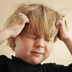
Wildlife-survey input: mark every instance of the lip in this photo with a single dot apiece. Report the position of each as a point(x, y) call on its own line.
point(35, 53)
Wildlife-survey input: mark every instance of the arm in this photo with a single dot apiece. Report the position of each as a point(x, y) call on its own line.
point(64, 34)
point(13, 30)
point(68, 43)
point(4, 35)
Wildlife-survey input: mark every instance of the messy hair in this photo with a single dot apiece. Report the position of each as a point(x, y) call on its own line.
point(42, 20)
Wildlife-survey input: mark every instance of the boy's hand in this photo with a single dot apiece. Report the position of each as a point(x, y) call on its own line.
point(63, 33)
point(18, 23)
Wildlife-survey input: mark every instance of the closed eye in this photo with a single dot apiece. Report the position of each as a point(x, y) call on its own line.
point(33, 37)
point(46, 39)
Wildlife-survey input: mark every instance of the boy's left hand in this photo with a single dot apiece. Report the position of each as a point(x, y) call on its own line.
point(63, 33)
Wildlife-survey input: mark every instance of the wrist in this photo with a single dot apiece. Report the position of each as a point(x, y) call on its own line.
point(67, 39)
point(9, 32)
point(68, 42)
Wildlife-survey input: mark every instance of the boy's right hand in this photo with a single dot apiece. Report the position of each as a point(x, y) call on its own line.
point(18, 23)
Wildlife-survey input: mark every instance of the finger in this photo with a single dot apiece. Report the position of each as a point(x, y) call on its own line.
point(20, 18)
point(61, 23)
point(24, 18)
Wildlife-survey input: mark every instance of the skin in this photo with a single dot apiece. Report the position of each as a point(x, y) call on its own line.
point(33, 48)
point(13, 30)
point(64, 34)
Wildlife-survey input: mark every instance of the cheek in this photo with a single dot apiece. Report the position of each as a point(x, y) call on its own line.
point(27, 44)
point(23, 45)
point(48, 49)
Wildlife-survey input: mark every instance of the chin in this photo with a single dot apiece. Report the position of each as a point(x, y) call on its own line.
point(34, 62)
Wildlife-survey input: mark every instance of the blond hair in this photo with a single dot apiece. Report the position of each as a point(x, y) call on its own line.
point(42, 20)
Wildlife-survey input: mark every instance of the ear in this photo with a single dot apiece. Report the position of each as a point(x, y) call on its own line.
point(12, 42)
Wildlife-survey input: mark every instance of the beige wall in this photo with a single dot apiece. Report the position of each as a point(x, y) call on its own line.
point(60, 53)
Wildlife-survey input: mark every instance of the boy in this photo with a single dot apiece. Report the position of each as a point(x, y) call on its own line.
point(31, 32)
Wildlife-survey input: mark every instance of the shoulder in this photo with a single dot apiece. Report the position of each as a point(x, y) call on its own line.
point(4, 59)
point(2, 56)
point(57, 67)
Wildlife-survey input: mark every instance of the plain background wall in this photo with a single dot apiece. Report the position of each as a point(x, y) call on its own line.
point(60, 53)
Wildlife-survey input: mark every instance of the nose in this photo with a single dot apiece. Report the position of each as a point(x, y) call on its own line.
point(40, 43)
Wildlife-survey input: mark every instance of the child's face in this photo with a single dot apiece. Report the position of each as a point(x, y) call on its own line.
point(33, 49)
